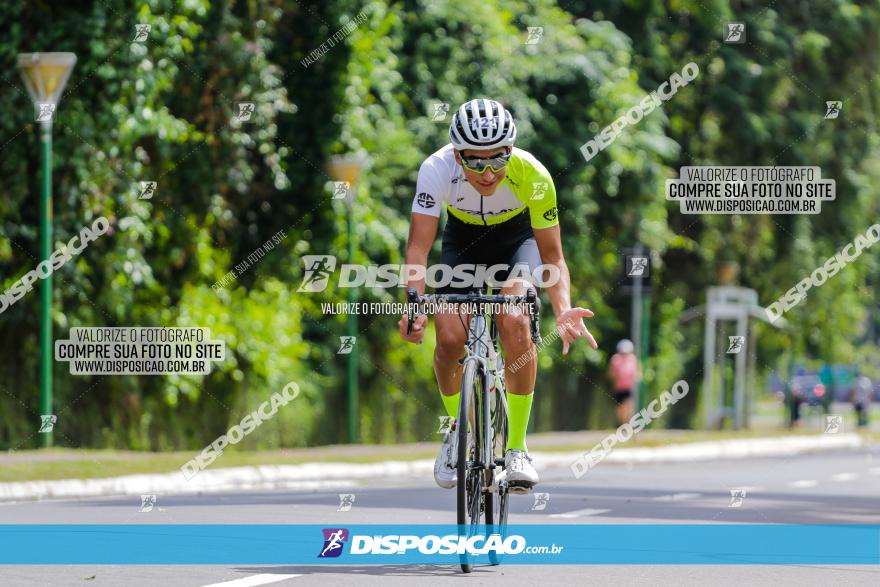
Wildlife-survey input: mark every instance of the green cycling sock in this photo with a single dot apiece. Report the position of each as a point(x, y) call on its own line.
point(518, 409)
point(451, 403)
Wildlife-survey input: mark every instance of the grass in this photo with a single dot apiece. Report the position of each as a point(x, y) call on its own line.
point(60, 463)
point(94, 464)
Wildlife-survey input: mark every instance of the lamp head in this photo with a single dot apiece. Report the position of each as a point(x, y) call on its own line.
point(45, 74)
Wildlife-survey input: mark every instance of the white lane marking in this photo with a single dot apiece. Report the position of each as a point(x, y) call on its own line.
point(874, 471)
point(579, 513)
point(844, 477)
point(676, 497)
point(253, 580)
point(803, 483)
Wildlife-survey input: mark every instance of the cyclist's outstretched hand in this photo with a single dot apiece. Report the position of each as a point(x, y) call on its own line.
point(570, 325)
point(418, 331)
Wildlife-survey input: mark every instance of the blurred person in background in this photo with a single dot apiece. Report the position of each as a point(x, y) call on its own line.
point(623, 369)
point(795, 395)
point(861, 399)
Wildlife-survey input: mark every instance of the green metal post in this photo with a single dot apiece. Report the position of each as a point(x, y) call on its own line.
point(352, 395)
point(46, 285)
point(643, 343)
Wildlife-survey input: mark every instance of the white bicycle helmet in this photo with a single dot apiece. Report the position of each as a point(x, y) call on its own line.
point(482, 124)
point(625, 346)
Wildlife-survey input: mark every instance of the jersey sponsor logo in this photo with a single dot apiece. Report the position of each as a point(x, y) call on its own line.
point(487, 212)
point(551, 214)
point(425, 200)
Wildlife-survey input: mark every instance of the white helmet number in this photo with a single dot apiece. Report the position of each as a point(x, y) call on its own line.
point(483, 123)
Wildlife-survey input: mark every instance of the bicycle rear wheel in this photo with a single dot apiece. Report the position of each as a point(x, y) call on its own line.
point(469, 465)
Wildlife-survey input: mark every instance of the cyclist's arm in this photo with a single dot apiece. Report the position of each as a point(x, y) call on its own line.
point(550, 247)
point(431, 188)
point(544, 218)
point(569, 321)
point(422, 232)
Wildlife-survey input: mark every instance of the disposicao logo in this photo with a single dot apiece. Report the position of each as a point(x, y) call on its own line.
point(334, 540)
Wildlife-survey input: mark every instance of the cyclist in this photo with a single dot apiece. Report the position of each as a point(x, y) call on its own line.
point(501, 206)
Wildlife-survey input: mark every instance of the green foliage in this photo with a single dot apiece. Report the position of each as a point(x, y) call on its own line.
point(164, 111)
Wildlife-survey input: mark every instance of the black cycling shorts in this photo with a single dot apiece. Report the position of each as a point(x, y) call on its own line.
point(509, 243)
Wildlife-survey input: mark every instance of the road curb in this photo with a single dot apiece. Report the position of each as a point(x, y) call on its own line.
point(327, 475)
point(712, 450)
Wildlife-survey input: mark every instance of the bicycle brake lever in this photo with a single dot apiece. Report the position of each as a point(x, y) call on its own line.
point(535, 317)
point(412, 297)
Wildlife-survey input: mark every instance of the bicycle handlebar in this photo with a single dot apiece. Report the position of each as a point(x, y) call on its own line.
point(531, 299)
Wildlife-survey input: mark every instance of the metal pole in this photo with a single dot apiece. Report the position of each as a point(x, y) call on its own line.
point(636, 324)
point(643, 345)
point(750, 372)
point(46, 285)
point(709, 365)
point(739, 383)
point(352, 392)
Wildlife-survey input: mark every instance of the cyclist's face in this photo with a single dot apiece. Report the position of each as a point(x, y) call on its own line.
point(487, 182)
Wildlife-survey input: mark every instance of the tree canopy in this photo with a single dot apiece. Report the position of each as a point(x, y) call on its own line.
point(164, 110)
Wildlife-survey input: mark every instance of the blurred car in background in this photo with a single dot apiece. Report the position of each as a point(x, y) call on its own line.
point(819, 389)
point(808, 389)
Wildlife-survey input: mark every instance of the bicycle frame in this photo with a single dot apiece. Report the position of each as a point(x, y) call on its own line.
point(478, 486)
point(490, 367)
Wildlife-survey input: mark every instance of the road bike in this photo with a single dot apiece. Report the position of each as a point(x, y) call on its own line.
point(481, 427)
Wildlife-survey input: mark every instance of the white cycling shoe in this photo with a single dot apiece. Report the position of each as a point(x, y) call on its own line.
point(445, 473)
point(519, 472)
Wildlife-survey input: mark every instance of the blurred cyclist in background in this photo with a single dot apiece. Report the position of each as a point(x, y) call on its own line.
point(623, 369)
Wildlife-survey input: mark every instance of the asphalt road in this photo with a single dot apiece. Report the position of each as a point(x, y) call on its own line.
point(826, 487)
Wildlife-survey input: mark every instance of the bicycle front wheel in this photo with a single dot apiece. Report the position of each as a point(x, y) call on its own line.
point(470, 468)
point(498, 503)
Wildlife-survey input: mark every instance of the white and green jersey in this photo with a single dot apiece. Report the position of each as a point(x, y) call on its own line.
point(527, 185)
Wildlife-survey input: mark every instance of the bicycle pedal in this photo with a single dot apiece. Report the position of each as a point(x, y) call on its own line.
point(518, 488)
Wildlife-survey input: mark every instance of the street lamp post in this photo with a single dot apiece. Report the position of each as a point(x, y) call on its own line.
point(347, 168)
point(45, 75)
